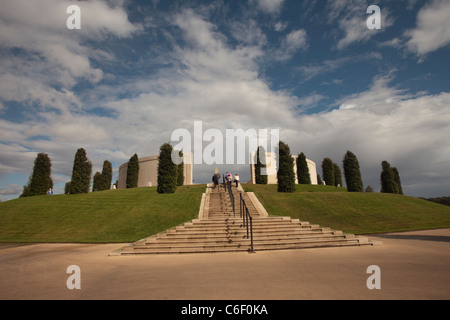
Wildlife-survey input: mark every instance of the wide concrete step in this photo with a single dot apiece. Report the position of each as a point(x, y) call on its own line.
point(243, 246)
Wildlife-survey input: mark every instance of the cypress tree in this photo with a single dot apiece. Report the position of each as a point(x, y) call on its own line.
point(286, 174)
point(167, 170)
point(97, 182)
point(180, 172)
point(337, 175)
point(397, 180)
point(40, 181)
point(81, 173)
point(260, 179)
point(352, 173)
point(133, 172)
point(106, 176)
point(303, 176)
point(328, 171)
point(67, 187)
point(388, 184)
point(319, 180)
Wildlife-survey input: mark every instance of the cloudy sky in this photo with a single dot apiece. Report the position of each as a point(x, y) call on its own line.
point(138, 70)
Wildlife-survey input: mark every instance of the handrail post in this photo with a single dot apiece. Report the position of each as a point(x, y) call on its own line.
point(240, 205)
point(246, 222)
point(230, 193)
point(243, 212)
point(251, 232)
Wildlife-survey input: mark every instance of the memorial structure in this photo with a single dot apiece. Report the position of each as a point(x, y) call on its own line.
point(148, 172)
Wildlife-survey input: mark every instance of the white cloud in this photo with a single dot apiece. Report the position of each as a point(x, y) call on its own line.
point(433, 28)
point(293, 42)
point(385, 123)
point(210, 81)
point(280, 26)
point(9, 190)
point(52, 54)
point(269, 6)
point(351, 17)
point(313, 70)
point(310, 101)
point(40, 64)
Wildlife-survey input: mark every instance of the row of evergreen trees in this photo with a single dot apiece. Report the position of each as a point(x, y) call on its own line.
point(81, 175)
point(332, 175)
point(390, 178)
point(40, 180)
point(169, 175)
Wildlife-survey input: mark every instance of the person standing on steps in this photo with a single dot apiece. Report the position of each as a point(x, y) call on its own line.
point(236, 179)
point(229, 180)
point(215, 179)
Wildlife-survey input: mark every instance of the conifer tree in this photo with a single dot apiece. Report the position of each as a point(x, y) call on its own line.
point(352, 173)
point(180, 171)
point(97, 182)
point(286, 174)
point(328, 171)
point(337, 175)
point(167, 170)
point(398, 181)
point(133, 172)
point(67, 187)
point(81, 173)
point(40, 180)
point(388, 184)
point(106, 176)
point(319, 180)
point(259, 178)
point(303, 176)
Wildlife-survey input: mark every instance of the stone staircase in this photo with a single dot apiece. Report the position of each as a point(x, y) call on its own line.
point(218, 229)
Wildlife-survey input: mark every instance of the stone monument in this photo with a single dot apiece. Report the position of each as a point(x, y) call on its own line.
point(148, 172)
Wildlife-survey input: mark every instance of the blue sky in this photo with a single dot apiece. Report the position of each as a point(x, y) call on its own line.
point(138, 70)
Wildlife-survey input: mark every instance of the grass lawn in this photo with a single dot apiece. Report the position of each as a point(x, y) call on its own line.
point(101, 217)
point(358, 213)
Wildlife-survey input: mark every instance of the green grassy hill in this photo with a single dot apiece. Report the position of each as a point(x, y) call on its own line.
point(358, 213)
point(130, 215)
point(99, 217)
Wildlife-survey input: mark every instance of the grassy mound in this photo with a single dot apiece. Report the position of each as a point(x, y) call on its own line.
point(129, 215)
point(358, 213)
point(101, 217)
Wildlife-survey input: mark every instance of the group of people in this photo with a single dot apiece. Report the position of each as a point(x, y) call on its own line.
point(228, 179)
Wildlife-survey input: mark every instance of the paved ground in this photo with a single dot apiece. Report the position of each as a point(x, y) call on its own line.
point(414, 265)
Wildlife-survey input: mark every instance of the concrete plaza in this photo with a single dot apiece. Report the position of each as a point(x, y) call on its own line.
point(414, 265)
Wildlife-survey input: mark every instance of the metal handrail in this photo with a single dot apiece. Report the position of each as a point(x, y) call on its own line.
point(230, 193)
point(246, 217)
